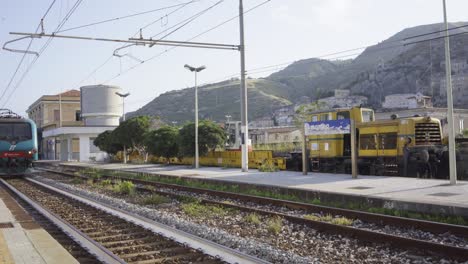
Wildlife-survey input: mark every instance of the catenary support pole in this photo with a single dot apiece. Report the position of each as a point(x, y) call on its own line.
point(304, 152)
point(354, 169)
point(243, 87)
point(451, 131)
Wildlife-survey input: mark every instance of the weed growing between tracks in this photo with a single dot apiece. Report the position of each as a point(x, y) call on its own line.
point(457, 220)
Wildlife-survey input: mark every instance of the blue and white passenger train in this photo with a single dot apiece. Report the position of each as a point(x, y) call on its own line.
point(18, 143)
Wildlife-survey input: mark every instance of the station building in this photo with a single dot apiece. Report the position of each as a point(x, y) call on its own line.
point(69, 122)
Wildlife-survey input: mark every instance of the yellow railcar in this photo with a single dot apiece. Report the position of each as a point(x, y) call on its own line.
point(384, 147)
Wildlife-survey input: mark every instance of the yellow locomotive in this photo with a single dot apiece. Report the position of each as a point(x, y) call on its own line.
point(398, 146)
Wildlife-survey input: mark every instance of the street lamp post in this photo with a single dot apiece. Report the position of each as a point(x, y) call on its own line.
point(451, 132)
point(196, 70)
point(123, 118)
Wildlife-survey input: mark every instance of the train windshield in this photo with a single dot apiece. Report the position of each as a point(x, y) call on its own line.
point(15, 131)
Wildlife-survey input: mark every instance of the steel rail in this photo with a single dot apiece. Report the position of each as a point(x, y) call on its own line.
point(101, 253)
point(360, 234)
point(208, 247)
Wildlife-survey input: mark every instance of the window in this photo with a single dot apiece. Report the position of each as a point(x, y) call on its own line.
point(367, 141)
point(314, 118)
point(388, 140)
point(15, 131)
point(342, 115)
point(462, 125)
point(56, 115)
point(367, 115)
point(324, 117)
point(78, 115)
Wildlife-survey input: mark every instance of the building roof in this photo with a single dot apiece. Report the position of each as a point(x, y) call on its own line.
point(67, 96)
point(70, 93)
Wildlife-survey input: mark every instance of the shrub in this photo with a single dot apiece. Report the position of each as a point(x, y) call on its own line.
point(267, 167)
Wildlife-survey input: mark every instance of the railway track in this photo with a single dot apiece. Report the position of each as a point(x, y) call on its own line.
point(445, 250)
point(77, 251)
point(115, 236)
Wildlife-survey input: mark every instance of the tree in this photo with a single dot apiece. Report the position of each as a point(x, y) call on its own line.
point(163, 142)
point(303, 112)
point(132, 133)
point(107, 142)
point(210, 136)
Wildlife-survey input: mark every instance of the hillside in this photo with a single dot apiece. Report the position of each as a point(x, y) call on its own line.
point(392, 66)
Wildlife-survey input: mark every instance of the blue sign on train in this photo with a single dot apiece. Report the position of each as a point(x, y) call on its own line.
point(342, 126)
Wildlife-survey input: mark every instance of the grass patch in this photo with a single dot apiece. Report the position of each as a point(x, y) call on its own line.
point(253, 218)
point(330, 219)
point(188, 199)
point(156, 199)
point(342, 221)
point(312, 217)
point(199, 210)
point(77, 181)
point(275, 224)
point(125, 187)
point(105, 183)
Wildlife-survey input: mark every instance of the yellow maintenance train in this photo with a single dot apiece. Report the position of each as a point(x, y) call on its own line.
point(398, 146)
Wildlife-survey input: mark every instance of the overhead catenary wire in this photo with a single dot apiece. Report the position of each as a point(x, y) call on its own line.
point(136, 33)
point(275, 67)
point(123, 17)
point(190, 39)
point(27, 49)
point(44, 47)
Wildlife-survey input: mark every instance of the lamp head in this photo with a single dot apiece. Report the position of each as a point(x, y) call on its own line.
point(122, 95)
point(193, 69)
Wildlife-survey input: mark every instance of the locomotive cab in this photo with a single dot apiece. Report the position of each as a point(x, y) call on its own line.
point(18, 143)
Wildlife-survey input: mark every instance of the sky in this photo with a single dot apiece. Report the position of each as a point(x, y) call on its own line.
point(277, 32)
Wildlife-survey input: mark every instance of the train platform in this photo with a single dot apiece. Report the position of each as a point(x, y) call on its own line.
point(412, 194)
point(22, 240)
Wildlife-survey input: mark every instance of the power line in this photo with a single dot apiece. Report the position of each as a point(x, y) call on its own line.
point(61, 24)
point(192, 38)
point(27, 49)
point(122, 17)
point(189, 20)
point(430, 33)
point(144, 27)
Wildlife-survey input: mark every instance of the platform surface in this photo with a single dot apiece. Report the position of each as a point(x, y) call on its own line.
point(429, 191)
point(25, 242)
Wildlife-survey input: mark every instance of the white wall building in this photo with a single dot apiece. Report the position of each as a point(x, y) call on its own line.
point(343, 99)
point(101, 109)
point(406, 101)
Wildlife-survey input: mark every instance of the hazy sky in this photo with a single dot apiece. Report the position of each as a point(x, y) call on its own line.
point(278, 32)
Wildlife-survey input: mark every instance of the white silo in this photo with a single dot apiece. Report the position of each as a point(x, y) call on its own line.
point(100, 105)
